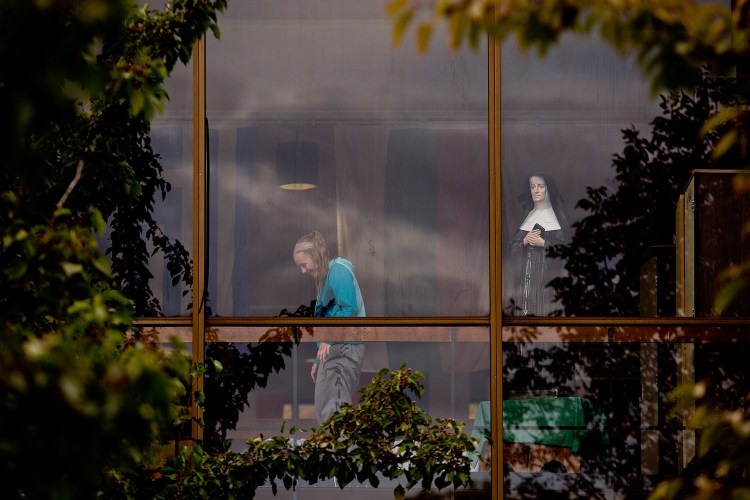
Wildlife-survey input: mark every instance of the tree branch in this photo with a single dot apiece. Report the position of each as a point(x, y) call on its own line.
point(71, 186)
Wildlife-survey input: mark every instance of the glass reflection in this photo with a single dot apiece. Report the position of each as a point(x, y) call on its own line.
point(623, 165)
point(570, 131)
point(598, 408)
point(151, 258)
point(400, 170)
point(266, 377)
point(583, 412)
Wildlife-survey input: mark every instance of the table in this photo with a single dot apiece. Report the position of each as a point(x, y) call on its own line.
point(553, 421)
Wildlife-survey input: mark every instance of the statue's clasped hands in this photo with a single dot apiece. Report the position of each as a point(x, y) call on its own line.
point(533, 238)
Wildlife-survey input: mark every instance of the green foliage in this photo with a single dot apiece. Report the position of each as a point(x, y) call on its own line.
point(672, 39)
point(242, 372)
point(674, 42)
point(73, 402)
point(604, 257)
point(79, 81)
point(722, 468)
point(386, 436)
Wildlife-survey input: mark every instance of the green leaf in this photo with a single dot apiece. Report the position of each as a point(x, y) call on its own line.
point(103, 265)
point(71, 268)
point(137, 103)
point(402, 23)
point(396, 6)
point(725, 143)
point(16, 271)
point(97, 221)
point(62, 212)
point(399, 493)
point(22, 235)
point(424, 33)
point(727, 294)
point(374, 481)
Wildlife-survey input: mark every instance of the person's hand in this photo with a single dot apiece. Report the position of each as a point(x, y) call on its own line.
point(322, 355)
point(533, 238)
point(323, 352)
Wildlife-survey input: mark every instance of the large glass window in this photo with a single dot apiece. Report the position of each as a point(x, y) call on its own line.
point(612, 209)
point(172, 140)
point(627, 200)
point(562, 125)
point(454, 360)
point(592, 404)
point(392, 146)
point(316, 123)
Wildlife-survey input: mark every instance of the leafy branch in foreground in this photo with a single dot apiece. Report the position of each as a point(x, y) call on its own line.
point(67, 379)
point(386, 436)
point(671, 39)
point(80, 81)
point(722, 465)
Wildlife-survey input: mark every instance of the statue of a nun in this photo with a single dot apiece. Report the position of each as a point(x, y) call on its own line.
point(545, 225)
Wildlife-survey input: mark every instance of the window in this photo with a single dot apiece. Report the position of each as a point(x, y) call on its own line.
point(395, 145)
point(629, 205)
point(569, 133)
point(392, 149)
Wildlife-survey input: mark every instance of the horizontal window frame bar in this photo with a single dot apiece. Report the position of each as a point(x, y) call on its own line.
point(277, 330)
point(311, 321)
point(511, 321)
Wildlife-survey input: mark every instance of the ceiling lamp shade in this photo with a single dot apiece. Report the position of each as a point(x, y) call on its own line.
point(297, 165)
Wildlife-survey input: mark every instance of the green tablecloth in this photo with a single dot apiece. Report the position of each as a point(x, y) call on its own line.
point(521, 417)
point(557, 421)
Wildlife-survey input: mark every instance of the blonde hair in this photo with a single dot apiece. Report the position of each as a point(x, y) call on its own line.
point(315, 245)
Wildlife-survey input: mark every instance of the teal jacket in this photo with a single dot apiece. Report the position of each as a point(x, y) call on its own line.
point(340, 295)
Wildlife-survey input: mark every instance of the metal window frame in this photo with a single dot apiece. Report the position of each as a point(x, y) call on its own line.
point(677, 329)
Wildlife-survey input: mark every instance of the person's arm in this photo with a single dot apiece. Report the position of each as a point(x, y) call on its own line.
point(341, 280)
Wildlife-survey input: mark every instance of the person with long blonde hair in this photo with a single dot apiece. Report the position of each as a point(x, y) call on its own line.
point(337, 365)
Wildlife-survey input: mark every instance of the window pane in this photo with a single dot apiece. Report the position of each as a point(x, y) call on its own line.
point(454, 360)
point(394, 143)
point(595, 402)
point(172, 139)
point(563, 119)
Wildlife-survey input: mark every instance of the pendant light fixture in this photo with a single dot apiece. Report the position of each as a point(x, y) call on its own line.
point(297, 165)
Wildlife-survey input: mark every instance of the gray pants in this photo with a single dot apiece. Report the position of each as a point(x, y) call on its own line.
point(337, 378)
